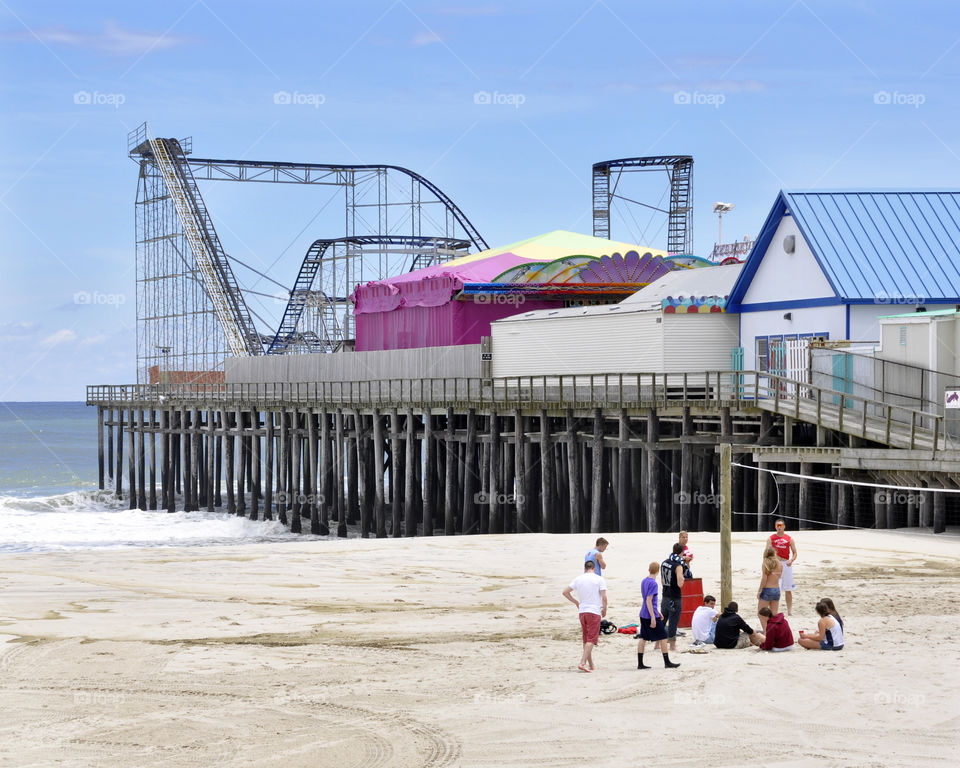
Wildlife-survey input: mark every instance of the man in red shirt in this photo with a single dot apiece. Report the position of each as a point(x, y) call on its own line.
point(786, 549)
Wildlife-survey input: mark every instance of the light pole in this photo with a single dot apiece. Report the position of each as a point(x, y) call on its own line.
point(720, 209)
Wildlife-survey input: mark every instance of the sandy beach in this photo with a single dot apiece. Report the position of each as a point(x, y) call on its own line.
point(462, 652)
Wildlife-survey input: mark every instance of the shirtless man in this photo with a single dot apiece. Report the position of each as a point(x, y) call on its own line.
point(786, 549)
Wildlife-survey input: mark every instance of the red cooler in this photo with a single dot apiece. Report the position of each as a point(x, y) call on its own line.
point(692, 591)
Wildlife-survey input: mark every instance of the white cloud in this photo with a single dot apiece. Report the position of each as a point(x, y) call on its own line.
point(114, 40)
point(427, 37)
point(64, 335)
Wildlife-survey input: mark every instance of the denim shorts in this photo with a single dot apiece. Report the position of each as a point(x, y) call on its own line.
point(770, 594)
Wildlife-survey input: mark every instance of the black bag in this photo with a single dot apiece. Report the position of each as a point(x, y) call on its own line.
point(607, 627)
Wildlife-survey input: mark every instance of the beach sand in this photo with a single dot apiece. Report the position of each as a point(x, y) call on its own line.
point(462, 652)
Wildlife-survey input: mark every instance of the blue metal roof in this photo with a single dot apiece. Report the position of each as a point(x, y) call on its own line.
point(872, 243)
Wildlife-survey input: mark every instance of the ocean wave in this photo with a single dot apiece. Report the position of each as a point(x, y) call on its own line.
point(97, 519)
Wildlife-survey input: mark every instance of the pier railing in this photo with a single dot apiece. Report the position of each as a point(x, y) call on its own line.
point(849, 413)
point(582, 390)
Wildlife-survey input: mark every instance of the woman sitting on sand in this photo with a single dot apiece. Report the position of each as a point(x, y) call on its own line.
point(833, 609)
point(768, 596)
point(829, 634)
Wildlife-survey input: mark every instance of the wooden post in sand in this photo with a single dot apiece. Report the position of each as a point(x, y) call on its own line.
point(228, 458)
point(338, 476)
point(624, 507)
point(153, 460)
point(141, 461)
point(315, 500)
point(546, 475)
point(254, 464)
point(653, 470)
point(469, 521)
point(449, 480)
point(296, 526)
point(326, 473)
point(596, 494)
point(100, 447)
point(119, 483)
point(211, 456)
point(166, 492)
point(726, 499)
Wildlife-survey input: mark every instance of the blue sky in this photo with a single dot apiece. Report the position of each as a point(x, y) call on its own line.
point(804, 94)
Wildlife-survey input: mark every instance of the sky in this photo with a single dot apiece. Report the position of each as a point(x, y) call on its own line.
point(765, 95)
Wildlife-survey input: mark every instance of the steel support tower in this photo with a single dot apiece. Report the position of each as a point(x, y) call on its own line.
point(607, 177)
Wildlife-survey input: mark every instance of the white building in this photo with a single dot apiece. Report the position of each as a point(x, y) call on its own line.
point(831, 263)
point(651, 331)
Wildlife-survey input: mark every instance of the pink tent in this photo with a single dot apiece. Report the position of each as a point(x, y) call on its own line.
point(418, 309)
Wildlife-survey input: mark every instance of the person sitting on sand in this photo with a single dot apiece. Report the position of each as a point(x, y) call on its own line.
point(652, 625)
point(704, 621)
point(833, 609)
point(768, 596)
point(592, 591)
point(596, 555)
point(729, 628)
point(778, 636)
point(829, 634)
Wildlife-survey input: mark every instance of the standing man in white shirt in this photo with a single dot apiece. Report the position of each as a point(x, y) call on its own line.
point(591, 601)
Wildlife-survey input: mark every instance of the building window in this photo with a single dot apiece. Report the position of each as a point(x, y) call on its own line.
point(761, 356)
point(903, 335)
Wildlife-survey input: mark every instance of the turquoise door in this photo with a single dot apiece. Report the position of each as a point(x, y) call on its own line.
point(843, 378)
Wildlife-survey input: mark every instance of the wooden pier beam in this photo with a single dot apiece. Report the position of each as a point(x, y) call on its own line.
point(546, 475)
point(100, 472)
point(141, 461)
point(468, 522)
point(653, 471)
point(524, 520)
point(152, 490)
point(596, 480)
point(313, 473)
point(131, 459)
point(409, 477)
point(624, 508)
point(211, 457)
point(339, 467)
point(110, 444)
point(379, 503)
point(241, 456)
point(396, 485)
point(326, 473)
point(449, 482)
point(119, 472)
point(429, 474)
point(296, 493)
point(686, 472)
point(575, 521)
point(495, 485)
point(268, 465)
point(166, 489)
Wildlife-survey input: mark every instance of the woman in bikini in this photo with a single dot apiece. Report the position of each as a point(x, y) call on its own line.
point(768, 596)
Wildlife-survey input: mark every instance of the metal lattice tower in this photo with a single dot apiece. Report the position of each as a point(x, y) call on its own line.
point(191, 311)
point(679, 168)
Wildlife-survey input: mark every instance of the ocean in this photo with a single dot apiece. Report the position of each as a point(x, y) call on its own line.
point(49, 499)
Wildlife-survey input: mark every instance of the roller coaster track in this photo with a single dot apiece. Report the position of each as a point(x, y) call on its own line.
point(321, 173)
point(218, 278)
point(313, 260)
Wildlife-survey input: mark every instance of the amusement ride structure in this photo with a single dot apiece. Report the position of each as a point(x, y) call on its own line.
point(192, 311)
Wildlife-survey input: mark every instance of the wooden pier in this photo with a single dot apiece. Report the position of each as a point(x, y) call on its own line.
point(558, 454)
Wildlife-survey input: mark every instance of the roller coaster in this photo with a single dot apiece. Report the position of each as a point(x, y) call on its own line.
point(192, 311)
